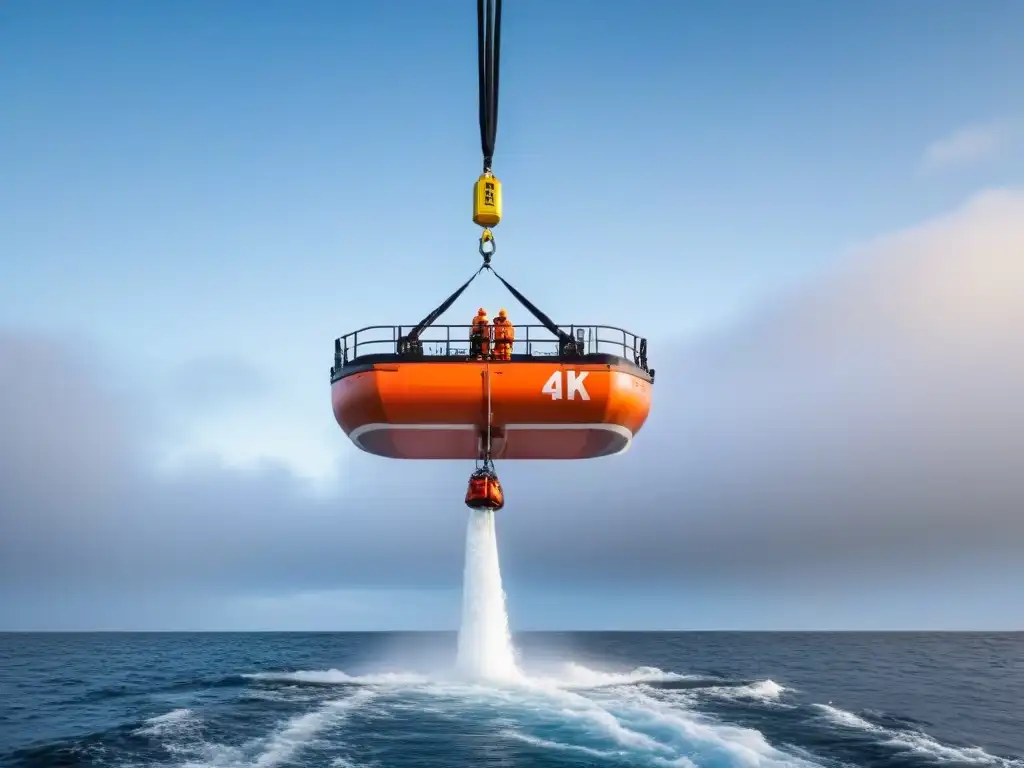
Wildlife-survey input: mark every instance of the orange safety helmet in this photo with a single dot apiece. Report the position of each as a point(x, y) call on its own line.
point(502, 313)
point(481, 312)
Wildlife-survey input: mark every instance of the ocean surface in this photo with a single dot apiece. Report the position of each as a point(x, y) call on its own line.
point(590, 699)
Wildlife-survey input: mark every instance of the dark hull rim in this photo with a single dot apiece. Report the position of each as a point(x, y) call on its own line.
point(366, 363)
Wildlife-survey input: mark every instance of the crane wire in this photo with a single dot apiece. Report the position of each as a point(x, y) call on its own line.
point(488, 27)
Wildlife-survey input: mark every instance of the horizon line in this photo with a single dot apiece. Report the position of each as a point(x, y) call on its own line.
point(514, 632)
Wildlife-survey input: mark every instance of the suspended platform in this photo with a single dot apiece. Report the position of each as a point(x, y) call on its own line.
point(581, 395)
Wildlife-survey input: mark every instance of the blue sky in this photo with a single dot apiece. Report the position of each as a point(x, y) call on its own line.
point(203, 196)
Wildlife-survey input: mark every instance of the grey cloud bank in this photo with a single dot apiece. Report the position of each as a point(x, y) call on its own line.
point(869, 421)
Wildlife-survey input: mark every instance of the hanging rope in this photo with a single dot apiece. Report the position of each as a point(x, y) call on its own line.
point(487, 453)
point(488, 28)
point(487, 190)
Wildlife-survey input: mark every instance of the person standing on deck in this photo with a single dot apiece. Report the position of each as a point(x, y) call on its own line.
point(480, 335)
point(504, 335)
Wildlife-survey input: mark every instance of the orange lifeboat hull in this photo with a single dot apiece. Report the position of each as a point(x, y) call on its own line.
point(540, 409)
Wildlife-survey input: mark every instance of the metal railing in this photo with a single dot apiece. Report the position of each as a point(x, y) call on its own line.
point(452, 342)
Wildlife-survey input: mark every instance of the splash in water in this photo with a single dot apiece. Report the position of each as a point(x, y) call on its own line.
point(485, 643)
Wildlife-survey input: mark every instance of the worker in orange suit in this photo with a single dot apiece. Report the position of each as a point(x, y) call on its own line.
point(480, 335)
point(504, 335)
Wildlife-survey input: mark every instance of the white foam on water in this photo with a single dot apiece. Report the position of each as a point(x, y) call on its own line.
point(847, 719)
point(179, 732)
point(559, 746)
point(337, 677)
point(485, 650)
point(301, 730)
point(670, 733)
point(915, 742)
point(568, 675)
point(279, 747)
point(289, 694)
point(763, 691)
point(607, 716)
point(175, 722)
point(573, 675)
point(602, 716)
point(612, 718)
point(907, 741)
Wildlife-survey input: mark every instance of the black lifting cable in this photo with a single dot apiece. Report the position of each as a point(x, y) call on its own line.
point(567, 344)
point(488, 29)
point(426, 322)
point(488, 16)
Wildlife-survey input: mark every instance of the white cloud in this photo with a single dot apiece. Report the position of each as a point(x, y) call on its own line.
point(308, 445)
point(970, 145)
point(869, 422)
point(232, 413)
